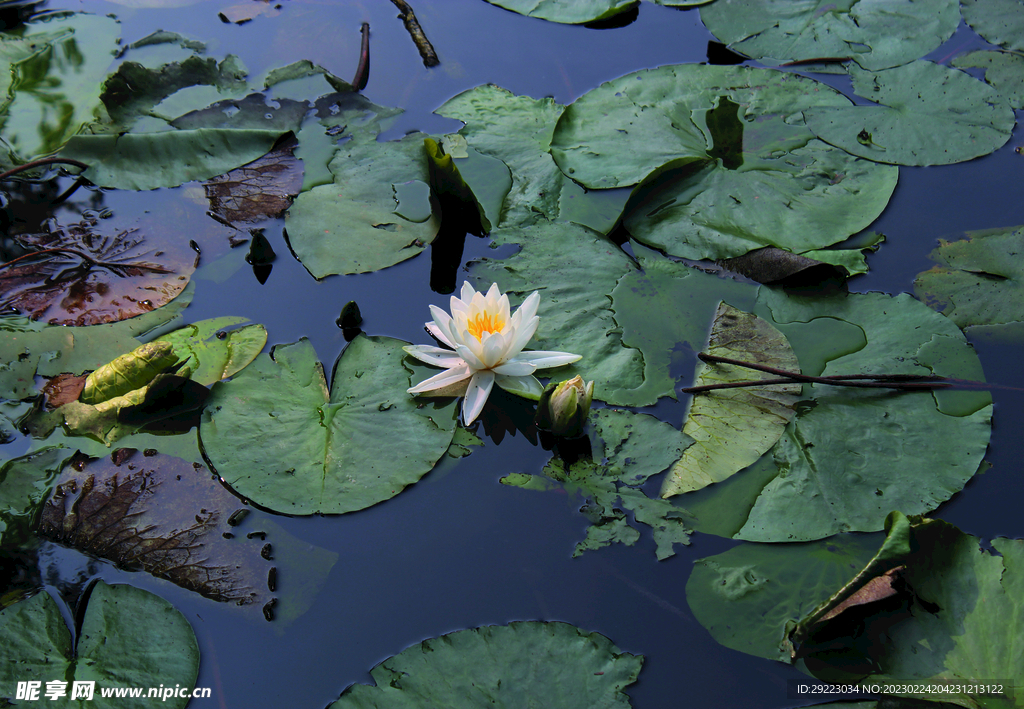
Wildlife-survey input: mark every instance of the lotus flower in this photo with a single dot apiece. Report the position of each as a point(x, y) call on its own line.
point(488, 346)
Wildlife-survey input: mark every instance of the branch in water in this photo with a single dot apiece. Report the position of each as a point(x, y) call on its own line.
point(413, 26)
point(40, 163)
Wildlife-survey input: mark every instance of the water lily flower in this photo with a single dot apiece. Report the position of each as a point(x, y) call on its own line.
point(486, 342)
point(563, 407)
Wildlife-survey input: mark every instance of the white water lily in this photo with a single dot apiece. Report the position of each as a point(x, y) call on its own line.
point(486, 342)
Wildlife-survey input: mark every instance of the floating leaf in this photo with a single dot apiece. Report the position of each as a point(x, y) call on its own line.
point(732, 428)
point(167, 159)
point(573, 13)
point(215, 352)
point(517, 665)
point(353, 225)
point(576, 268)
point(774, 265)
point(158, 514)
point(84, 277)
point(978, 280)
point(998, 21)
point(277, 437)
point(1004, 71)
point(626, 449)
point(133, 370)
point(876, 35)
point(28, 348)
point(261, 190)
point(928, 114)
point(54, 88)
point(450, 187)
point(726, 164)
point(128, 637)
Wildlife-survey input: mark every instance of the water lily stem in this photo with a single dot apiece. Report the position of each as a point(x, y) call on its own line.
point(867, 381)
point(363, 70)
point(40, 163)
point(416, 32)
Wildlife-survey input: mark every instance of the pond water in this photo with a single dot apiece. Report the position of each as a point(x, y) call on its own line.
point(459, 550)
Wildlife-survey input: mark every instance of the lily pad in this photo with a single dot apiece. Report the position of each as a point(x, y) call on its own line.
point(927, 114)
point(215, 352)
point(732, 428)
point(128, 637)
point(352, 225)
point(277, 437)
point(81, 276)
point(726, 164)
point(876, 35)
point(576, 268)
point(574, 12)
point(54, 87)
point(998, 21)
point(25, 483)
point(167, 159)
point(1004, 71)
point(28, 348)
point(521, 664)
point(978, 280)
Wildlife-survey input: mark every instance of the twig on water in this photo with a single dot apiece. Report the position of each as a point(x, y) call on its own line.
point(413, 26)
point(868, 381)
point(41, 163)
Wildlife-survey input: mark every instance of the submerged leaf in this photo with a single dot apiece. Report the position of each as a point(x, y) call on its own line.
point(84, 277)
point(276, 435)
point(261, 190)
point(876, 35)
point(732, 428)
point(517, 665)
point(576, 12)
point(158, 514)
point(928, 114)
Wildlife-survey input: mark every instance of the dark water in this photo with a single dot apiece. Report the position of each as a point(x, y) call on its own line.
point(458, 549)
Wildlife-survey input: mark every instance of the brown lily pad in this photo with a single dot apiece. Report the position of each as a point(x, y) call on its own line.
point(77, 275)
point(164, 515)
point(261, 190)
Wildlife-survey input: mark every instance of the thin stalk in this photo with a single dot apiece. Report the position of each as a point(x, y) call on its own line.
point(41, 163)
point(416, 32)
point(363, 70)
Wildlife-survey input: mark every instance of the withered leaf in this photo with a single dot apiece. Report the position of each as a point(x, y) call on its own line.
point(263, 189)
point(159, 514)
point(80, 276)
point(774, 265)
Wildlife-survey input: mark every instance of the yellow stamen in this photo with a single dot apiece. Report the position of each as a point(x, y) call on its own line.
point(485, 322)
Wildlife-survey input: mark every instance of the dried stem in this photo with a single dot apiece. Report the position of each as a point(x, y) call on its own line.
point(413, 26)
point(363, 70)
point(867, 381)
point(89, 260)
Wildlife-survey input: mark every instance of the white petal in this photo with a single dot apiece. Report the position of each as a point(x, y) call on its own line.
point(527, 387)
point(515, 368)
point(548, 359)
point(523, 336)
point(476, 396)
point(437, 332)
point(529, 307)
point(449, 376)
point(494, 350)
point(493, 293)
point(472, 360)
point(504, 309)
point(434, 355)
point(467, 292)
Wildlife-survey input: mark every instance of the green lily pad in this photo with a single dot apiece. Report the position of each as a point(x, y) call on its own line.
point(28, 348)
point(927, 114)
point(54, 86)
point(167, 159)
point(978, 280)
point(277, 437)
point(573, 12)
point(732, 428)
point(521, 664)
point(998, 21)
point(724, 160)
point(876, 35)
point(575, 267)
point(353, 224)
point(748, 596)
point(215, 352)
point(24, 484)
point(1004, 71)
point(129, 637)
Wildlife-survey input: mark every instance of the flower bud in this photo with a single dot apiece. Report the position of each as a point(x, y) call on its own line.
point(563, 408)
